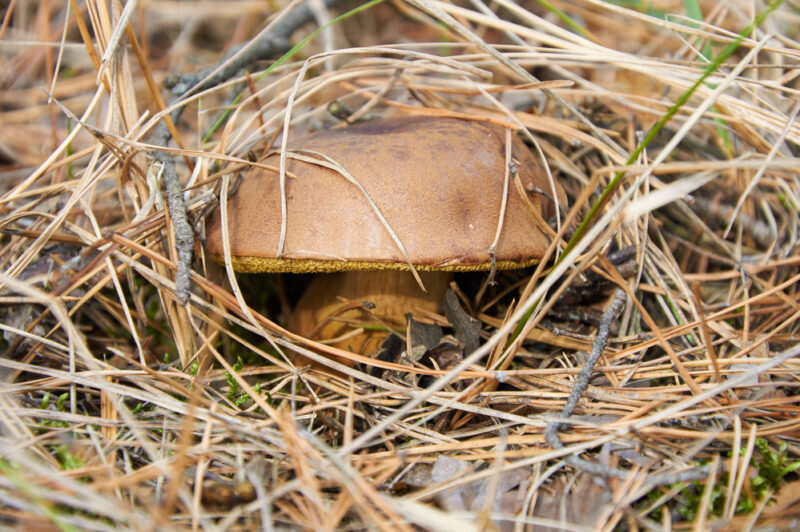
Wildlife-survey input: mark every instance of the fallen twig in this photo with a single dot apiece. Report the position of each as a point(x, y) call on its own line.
point(581, 383)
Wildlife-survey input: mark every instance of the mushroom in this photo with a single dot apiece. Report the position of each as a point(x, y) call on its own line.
point(437, 182)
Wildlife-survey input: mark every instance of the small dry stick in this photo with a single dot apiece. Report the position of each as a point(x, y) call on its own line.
point(270, 43)
point(184, 237)
point(582, 382)
point(510, 173)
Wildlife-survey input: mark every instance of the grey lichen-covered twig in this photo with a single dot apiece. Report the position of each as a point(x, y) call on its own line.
point(184, 237)
point(581, 383)
point(274, 41)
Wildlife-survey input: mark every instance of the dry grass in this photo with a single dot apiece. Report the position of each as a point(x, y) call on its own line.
point(148, 431)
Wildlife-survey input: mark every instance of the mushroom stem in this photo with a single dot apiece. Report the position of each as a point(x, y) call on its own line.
point(334, 305)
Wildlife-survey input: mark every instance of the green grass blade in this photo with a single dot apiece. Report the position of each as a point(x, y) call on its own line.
point(563, 17)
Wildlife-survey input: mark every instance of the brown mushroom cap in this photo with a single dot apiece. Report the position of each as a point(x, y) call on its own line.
point(437, 181)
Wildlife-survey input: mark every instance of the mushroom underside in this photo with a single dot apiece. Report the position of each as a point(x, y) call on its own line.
point(355, 311)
